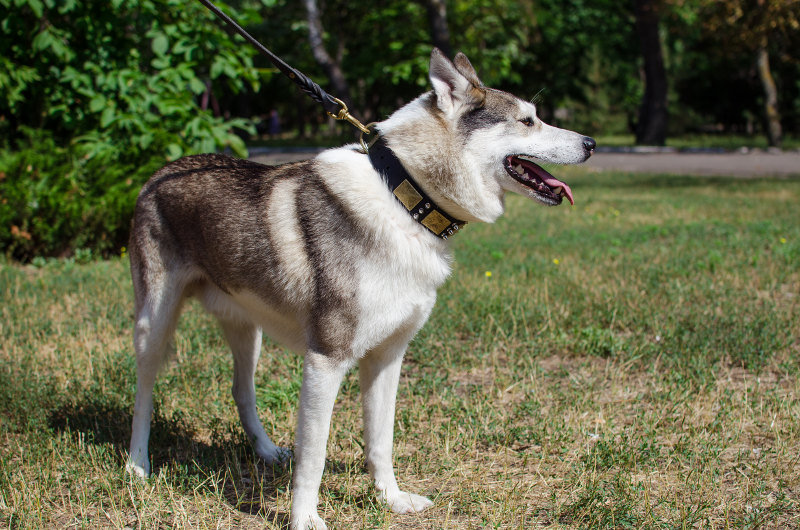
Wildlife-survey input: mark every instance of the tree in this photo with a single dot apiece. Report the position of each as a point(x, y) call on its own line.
point(749, 28)
point(771, 114)
point(440, 31)
point(651, 128)
point(330, 65)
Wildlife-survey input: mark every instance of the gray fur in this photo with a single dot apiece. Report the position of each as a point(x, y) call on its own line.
point(498, 107)
point(206, 216)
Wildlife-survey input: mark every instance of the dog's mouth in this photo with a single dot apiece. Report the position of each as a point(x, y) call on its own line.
point(545, 186)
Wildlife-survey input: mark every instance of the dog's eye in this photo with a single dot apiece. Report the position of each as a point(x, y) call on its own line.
point(527, 122)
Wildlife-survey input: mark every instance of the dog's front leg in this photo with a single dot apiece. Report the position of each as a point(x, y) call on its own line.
point(379, 374)
point(321, 379)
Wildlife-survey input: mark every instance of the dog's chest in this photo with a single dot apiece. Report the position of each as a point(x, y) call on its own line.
point(396, 293)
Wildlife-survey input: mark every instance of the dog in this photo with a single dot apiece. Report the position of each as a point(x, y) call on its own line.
point(338, 257)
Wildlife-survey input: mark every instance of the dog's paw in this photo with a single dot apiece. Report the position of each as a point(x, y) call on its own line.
point(308, 521)
point(275, 456)
point(137, 470)
point(402, 502)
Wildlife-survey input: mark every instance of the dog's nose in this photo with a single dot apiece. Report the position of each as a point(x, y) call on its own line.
point(589, 144)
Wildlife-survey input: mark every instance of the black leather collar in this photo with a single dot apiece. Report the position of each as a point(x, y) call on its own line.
point(421, 207)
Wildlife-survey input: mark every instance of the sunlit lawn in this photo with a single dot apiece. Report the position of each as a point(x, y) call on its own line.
point(628, 362)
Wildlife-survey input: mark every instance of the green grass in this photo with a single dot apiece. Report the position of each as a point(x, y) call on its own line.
point(714, 141)
point(629, 362)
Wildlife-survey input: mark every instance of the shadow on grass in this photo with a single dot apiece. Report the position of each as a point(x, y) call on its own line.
point(226, 464)
point(221, 464)
point(229, 467)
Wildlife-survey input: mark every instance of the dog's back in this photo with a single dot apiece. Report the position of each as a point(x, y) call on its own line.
point(228, 221)
point(192, 217)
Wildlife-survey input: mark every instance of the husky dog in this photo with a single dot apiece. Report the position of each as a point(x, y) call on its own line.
point(338, 257)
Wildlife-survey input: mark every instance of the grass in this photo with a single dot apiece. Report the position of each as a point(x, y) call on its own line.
point(730, 142)
point(628, 362)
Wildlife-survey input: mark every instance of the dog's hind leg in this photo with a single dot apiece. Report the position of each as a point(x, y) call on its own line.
point(379, 375)
point(157, 311)
point(244, 339)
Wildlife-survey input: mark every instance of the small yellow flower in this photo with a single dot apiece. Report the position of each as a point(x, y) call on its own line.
point(782, 240)
point(488, 274)
point(556, 261)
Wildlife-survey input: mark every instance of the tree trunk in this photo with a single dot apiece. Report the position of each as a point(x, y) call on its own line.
point(329, 65)
point(771, 114)
point(652, 126)
point(440, 32)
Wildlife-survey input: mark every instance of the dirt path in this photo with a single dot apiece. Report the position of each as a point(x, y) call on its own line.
point(751, 164)
point(755, 163)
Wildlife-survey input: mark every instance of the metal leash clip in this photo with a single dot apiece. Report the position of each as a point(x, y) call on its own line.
point(369, 129)
point(344, 114)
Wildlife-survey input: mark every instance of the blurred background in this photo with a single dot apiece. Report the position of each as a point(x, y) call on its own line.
point(96, 95)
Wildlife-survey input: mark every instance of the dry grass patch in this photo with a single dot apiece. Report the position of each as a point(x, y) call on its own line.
point(631, 362)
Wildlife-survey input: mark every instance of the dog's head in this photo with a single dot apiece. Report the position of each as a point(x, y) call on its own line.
point(469, 144)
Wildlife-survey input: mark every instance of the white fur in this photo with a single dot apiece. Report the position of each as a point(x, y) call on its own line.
point(284, 229)
point(477, 198)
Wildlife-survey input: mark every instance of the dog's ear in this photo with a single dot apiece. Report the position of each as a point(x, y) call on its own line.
point(465, 68)
point(453, 88)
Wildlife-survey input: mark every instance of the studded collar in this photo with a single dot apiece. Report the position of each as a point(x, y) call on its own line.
point(419, 205)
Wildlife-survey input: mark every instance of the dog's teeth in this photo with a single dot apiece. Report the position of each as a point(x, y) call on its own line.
point(519, 169)
point(558, 190)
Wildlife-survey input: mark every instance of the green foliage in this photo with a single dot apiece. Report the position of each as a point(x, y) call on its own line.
point(98, 97)
point(580, 58)
point(385, 50)
point(51, 204)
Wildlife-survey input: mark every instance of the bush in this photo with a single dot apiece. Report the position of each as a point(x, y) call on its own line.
point(55, 201)
point(99, 95)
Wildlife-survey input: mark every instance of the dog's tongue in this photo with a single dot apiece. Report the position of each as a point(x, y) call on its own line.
point(547, 178)
point(553, 182)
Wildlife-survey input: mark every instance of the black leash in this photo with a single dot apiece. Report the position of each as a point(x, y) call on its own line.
point(419, 205)
point(333, 106)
